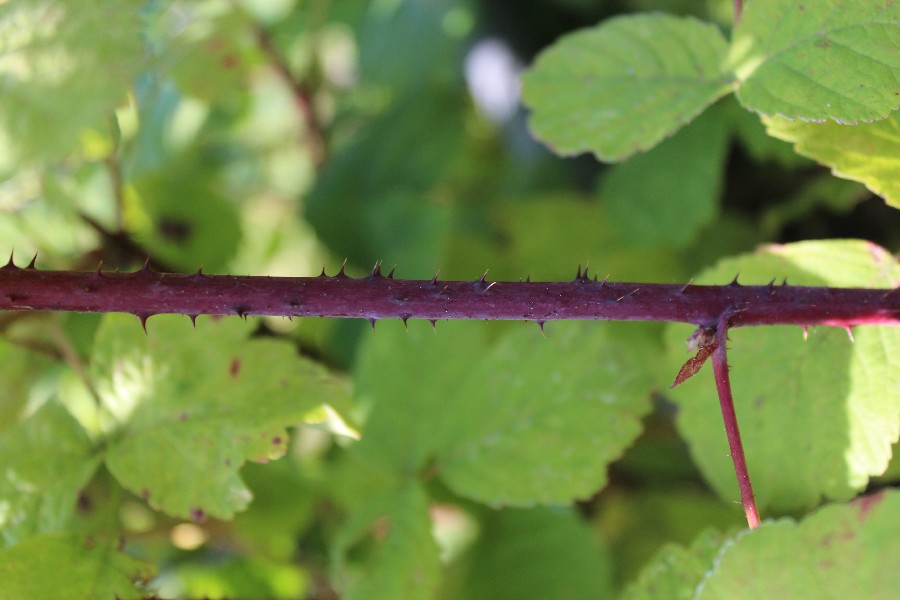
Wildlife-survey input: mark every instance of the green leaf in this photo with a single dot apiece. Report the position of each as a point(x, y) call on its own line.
point(512, 424)
point(843, 551)
point(625, 85)
point(69, 567)
point(538, 420)
point(392, 532)
point(868, 152)
point(45, 461)
point(189, 407)
point(63, 69)
point(832, 60)
point(666, 195)
point(822, 419)
point(675, 571)
point(546, 553)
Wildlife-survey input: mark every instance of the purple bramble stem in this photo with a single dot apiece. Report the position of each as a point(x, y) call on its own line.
point(726, 402)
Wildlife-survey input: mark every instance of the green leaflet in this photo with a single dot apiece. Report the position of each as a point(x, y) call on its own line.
point(834, 59)
point(841, 551)
point(45, 460)
point(70, 567)
point(625, 85)
point(186, 408)
point(63, 69)
point(868, 152)
point(823, 417)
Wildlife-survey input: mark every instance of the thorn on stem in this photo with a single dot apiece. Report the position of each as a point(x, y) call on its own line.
point(686, 286)
point(734, 282)
point(405, 318)
point(805, 332)
point(193, 319)
point(11, 264)
point(372, 322)
point(143, 317)
point(540, 324)
point(322, 274)
point(433, 324)
point(31, 265)
point(603, 282)
point(376, 271)
point(99, 271)
point(391, 274)
point(342, 272)
point(434, 280)
point(849, 333)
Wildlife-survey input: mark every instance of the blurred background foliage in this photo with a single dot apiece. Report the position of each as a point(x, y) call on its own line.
point(277, 136)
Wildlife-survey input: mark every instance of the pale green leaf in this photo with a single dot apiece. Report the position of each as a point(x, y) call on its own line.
point(45, 461)
point(675, 571)
point(546, 553)
point(868, 152)
point(665, 196)
point(841, 551)
point(834, 60)
point(63, 68)
point(623, 86)
point(817, 416)
point(539, 420)
point(392, 532)
point(70, 567)
point(189, 407)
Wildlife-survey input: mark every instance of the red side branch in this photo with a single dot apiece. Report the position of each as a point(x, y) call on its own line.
point(726, 402)
point(146, 293)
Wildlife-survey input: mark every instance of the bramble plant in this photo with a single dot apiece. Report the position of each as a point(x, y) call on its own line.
point(239, 454)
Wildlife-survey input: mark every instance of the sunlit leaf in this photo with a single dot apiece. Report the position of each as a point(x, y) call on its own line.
point(625, 85)
point(44, 462)
point(70, 567)
point(817, 416)
point(867, 152)
point(842, 551)
point(189, 407)
point(63, 68)
point(833, 60)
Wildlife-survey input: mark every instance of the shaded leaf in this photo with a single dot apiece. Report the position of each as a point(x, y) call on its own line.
point(70, 567)
point(665, 196)
point(832, 60)
point(868, 152)
point(400, 556)
point(623, 86)
point(822, 419)
point(189, 407)
point(546, 553)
